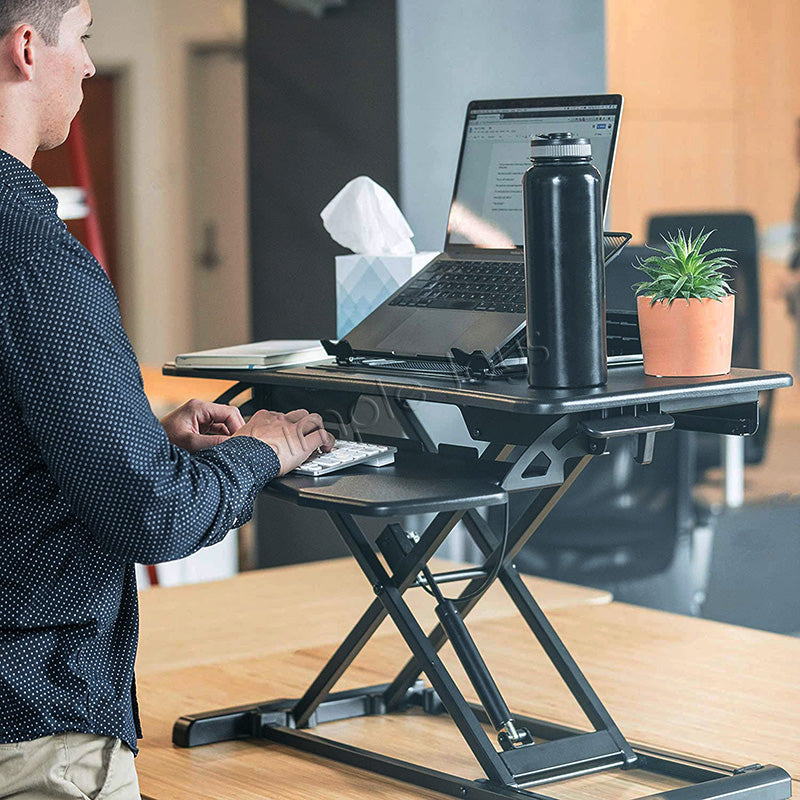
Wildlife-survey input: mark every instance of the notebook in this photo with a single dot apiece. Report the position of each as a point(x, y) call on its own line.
point(256, 355)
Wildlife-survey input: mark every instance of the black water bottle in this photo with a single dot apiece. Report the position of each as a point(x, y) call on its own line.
point(564, 274)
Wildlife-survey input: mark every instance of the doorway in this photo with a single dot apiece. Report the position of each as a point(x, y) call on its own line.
point(218, 189)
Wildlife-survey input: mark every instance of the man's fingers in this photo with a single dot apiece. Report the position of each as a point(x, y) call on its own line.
point(202, 442)
point(319, 438)
point(215, 428)
point(311, 435)
point(229, 416)
point(296, 416)
point(309, 423)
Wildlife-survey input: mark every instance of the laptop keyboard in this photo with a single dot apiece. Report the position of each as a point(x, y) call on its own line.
point(481, 285)
point(500, 286)
point(468, 285)
point(622, 333)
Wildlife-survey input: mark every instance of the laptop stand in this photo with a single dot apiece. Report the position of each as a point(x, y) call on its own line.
point(526, 752)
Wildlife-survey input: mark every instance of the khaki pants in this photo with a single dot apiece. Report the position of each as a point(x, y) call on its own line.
point(78, 766)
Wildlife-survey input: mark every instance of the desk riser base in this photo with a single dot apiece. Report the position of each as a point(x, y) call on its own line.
point(561, 753)
point(273, 721)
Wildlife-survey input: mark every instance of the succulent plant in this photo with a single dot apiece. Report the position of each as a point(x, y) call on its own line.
point(682, 270)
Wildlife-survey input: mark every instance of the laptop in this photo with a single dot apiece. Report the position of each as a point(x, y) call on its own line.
point(472, 296)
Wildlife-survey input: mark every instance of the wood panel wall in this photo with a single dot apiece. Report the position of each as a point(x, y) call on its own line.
point(712, 98)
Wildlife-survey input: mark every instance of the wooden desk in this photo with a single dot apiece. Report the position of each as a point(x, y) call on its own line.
point(705, 689)
point(266, 611)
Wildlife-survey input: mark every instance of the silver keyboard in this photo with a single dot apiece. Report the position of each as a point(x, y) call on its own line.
point(347, 454)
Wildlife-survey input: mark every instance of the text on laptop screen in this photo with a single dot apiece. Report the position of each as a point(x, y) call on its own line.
point(487, 207)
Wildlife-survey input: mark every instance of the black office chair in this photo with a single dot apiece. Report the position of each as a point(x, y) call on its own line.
point(736, 231)
point(620, 521)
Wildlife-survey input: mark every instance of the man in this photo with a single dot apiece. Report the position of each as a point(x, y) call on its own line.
point(90, 480)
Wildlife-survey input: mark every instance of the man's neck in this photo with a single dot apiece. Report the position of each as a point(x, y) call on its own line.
point(20, 150)
point(17, 136)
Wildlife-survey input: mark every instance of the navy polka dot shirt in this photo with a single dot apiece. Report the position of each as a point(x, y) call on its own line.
point(89, 483)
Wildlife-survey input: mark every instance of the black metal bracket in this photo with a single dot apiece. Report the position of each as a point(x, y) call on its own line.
point(736, 420)
point(395, 544)
point(341, 351)
point(545, 462)
point(480, 367)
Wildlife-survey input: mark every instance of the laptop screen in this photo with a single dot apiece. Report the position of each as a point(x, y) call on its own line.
point(495, 152)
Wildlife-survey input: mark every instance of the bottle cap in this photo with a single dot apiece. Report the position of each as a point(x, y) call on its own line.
point(560, 145)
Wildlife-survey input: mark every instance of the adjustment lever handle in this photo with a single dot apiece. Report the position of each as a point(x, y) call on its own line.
point(644, 426)
point(627, 425)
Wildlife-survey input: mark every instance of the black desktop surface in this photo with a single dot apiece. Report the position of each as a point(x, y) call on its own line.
point(416, 483)
point(627, 386)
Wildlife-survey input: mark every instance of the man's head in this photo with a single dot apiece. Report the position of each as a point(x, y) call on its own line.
point(43, 63)
point(44, 15)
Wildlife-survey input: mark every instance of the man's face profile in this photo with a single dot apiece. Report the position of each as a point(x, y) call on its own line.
point(60, 72)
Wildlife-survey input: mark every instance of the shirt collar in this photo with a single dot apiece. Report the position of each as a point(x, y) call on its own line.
point(27, 185)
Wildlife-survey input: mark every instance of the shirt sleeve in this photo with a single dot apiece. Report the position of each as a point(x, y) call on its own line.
point(74, 376)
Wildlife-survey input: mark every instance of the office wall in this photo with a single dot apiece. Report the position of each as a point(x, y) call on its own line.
point(148, 43)
point(453, 51)
point(323, 109)
point(712, 102)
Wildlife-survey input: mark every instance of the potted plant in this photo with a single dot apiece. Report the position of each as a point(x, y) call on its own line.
point(686, 308)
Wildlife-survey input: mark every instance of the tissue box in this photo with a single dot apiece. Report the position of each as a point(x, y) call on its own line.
point(364, 282)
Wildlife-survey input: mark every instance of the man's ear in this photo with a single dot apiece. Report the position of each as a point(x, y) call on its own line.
point(22, 51)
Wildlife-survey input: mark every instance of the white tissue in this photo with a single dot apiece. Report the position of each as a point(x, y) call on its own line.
point(364, 217)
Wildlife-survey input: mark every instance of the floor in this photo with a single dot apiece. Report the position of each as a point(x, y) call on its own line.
point(742, 566)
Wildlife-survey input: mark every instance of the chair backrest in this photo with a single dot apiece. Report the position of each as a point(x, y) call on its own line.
point(619, 521)
point(737, 231)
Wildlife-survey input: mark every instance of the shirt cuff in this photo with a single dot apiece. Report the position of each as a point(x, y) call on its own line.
point(255, 454)
point(250, 465)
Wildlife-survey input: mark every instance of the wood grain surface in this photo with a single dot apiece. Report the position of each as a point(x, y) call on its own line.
point(707, 690)
point(266, 611)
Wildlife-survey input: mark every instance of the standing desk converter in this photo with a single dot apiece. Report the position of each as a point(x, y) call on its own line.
point(536, 441)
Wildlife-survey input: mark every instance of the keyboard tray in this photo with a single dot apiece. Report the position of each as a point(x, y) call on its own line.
point(416, 483)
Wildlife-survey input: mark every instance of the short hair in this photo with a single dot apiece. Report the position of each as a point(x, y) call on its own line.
point(44, 15)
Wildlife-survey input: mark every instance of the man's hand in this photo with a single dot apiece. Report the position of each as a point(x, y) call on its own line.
point(293, 436)
point(199, 424)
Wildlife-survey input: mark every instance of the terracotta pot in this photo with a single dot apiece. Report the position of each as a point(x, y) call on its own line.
point(686, 338)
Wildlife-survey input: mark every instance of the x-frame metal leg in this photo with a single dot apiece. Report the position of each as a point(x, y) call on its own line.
point(279, 720)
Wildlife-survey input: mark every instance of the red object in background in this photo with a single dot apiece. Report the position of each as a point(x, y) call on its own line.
point(76, 143)
point(92, 152)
